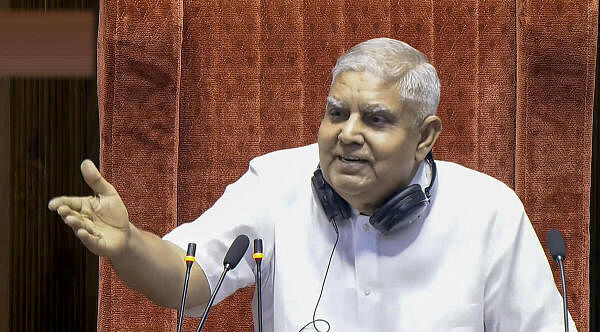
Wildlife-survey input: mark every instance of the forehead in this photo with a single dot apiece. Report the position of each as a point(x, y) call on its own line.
point(364, 88)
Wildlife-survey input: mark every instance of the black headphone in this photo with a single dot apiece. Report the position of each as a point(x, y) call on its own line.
point(398, 211)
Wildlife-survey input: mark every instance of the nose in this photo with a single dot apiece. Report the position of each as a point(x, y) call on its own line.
point(351, 131)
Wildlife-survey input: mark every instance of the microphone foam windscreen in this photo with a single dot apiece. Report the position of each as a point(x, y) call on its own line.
point(556, 244)
point(236, 251)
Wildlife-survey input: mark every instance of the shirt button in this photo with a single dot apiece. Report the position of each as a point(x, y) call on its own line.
point(367, 292)
point(366, 227)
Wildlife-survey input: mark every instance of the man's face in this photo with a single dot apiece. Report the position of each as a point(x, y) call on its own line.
point(367, 140)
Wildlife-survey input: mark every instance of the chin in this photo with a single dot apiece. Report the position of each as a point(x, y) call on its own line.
point(347, 187)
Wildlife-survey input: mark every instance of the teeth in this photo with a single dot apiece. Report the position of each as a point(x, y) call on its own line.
point(349, 158)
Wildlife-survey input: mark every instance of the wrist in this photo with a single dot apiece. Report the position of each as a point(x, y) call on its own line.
point(129, 235)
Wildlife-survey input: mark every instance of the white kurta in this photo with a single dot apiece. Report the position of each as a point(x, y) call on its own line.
point(474, 259)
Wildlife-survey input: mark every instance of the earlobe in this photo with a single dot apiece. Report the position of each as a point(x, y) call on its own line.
point(430, 131)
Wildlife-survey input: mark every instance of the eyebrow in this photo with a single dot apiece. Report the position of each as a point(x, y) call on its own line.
point(377, 108)
point(373, 108)
point(334, 102)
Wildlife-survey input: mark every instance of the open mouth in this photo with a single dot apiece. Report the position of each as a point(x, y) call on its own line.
point(351, 159)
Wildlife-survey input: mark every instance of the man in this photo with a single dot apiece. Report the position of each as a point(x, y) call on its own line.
point(413, 247)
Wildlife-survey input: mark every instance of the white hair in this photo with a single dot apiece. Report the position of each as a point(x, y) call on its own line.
point(395, 61)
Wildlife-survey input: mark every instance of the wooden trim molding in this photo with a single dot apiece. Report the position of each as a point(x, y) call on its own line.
point(50, 43)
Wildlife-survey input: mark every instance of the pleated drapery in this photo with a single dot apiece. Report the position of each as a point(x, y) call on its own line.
point(190, 91)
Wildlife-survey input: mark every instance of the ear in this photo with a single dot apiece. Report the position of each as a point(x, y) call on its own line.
point(430, 131)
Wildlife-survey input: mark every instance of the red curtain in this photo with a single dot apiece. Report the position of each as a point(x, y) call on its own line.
point(189, 91)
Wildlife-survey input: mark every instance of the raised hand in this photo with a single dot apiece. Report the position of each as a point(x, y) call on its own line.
point(101, 221)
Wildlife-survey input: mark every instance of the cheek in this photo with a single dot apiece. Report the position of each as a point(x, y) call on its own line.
point(326, 135)
point(393, 143)
point(393, 153)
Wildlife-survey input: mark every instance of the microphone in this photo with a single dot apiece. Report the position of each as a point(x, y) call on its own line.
point(556, 245)
point(258, 256)
point(232, 258)
point(559, 253)
point(189, 261)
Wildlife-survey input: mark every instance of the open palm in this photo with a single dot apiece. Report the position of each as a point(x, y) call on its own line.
point(101, 221)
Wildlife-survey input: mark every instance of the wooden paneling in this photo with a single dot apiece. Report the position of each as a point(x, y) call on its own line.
point(35, 43)
point(54, 125)
point(4, 202)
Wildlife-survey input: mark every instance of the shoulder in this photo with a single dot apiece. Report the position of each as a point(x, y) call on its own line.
point(288, 162)
point(461, 183)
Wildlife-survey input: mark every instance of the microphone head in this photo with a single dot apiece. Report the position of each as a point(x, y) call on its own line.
point(556, 245)
point(236, 251)
point(191, 249)
point(258, 248)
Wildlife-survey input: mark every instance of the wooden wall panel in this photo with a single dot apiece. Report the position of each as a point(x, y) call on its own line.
point(5, 142)
point(53, 126)
point(52, 43)
point(53, 280)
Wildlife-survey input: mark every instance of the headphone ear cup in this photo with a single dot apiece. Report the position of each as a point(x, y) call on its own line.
point(401, 210)
point(334, 206)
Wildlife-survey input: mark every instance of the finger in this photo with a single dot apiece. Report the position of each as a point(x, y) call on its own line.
point(78, 222)
point(94, 179)
point(74, 203)
point(90, 241)
point(65, 211)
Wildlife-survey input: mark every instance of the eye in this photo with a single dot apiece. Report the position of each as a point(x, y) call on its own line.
point(337, 113)
point(376, 119)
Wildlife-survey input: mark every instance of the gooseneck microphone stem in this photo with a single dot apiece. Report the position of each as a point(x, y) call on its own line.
point(189, 261)
point(564, 291)
point(259, 295)
point(258, 256)
point(212, 298)
point(558, 251)
point(185, 287)
point(231, 260)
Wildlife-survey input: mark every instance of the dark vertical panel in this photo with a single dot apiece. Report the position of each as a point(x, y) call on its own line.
point(49, 283)
point(555, 76)
point(53, 278)
point(5, 143)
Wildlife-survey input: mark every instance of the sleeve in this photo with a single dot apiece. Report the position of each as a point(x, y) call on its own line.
point(520, 293)
point(240, 210)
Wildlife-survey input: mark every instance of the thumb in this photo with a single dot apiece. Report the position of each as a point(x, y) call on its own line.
point(93, 178)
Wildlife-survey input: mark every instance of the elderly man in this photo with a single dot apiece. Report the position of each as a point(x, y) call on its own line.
point(363, 231)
